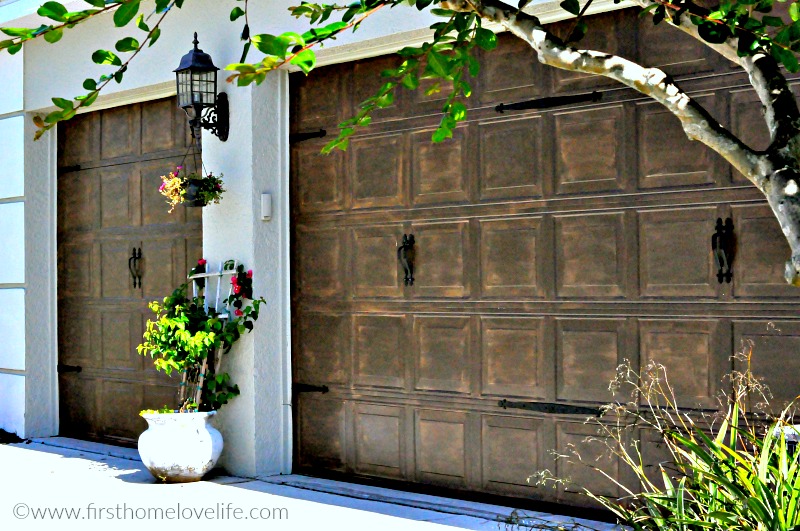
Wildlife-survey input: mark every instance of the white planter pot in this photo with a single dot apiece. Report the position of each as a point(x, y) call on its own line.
point(180, 447)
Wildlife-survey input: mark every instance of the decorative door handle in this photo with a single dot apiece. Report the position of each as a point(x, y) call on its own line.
point(723, 245)
point(405, 254)
point(133, 267)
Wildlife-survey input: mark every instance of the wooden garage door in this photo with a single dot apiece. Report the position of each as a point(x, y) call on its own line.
point(110, 163)
point(550, 247)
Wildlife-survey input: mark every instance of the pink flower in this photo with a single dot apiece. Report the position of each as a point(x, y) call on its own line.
point(179, 168)
point(237, 288)
point(161, 188)
point(202, 261)
point(238, 312)
point(249, 273)
point(234, 281)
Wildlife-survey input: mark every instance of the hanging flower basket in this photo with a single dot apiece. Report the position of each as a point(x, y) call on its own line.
point(190, 189)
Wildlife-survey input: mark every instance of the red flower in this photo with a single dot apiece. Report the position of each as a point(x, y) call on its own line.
point(237, 288)
point(238, 312)
point(234, 280)
point(202, 261)
point(249, 273)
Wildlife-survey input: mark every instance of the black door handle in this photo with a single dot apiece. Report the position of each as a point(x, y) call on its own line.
point(405, 254)
point(723, 244)
point(133, 267)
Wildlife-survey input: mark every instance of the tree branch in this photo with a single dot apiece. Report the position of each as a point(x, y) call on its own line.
point(780, 108)
point(697, 123)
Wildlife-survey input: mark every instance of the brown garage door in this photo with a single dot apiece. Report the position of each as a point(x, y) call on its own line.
point(110, 163)
point(550, 247)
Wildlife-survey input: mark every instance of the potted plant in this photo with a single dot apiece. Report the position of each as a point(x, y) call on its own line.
point(190, 189)
point(188, 336)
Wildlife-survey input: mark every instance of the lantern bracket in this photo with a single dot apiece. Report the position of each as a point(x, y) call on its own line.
point(215, 119)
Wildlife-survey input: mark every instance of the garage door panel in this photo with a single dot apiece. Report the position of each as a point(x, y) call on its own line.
point(439, 170)
point(501, 175)
point(322, 265)
point(666, 157)
point(441, 259)
point(159, 266)
point(511, 72)
point(378, 181)
point(691, 355)
point(321, 187)
point(593, 449)
point(122, 401)
point(772, 347)
point(118, 187)
point(588, 353)
point(672, 50)
point(80, 142)
point(80, 212)
point(513, 450)
point(310, 110)
point(379, 355)
point(321, 432)
point(441, 442)
point(121, 332)
point(513, 358)
point(78, 398)
point(163, 127)
point(442, 354)
point(591, 255)
point(367, 81)
point(324, 353)
point(761, 253)
point(121, 132)
point(116, 278)
point(674, 253)
point(380, 440)
point(512, 257)
point(377, 269)
point(582, 170)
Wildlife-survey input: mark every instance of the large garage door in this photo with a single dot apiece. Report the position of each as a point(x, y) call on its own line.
point(550, 247)
point(110, 163)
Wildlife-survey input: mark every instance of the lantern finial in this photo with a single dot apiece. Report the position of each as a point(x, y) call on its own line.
point(195, 41)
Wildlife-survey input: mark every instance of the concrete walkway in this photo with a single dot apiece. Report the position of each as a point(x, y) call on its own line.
point(60, 483)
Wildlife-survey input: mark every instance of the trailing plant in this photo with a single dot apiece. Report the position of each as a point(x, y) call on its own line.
point(732, 469)
point(188, 338)
point(180, 187)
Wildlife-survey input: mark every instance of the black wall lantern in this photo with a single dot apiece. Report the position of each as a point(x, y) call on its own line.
point(197, 93)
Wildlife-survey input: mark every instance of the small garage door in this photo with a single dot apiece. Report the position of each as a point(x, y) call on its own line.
point(550, 247)
point(110, 163)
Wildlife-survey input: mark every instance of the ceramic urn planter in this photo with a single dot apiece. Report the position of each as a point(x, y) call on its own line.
point(179, 447)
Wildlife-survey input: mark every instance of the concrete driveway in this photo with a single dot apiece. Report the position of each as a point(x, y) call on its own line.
point(62, 483)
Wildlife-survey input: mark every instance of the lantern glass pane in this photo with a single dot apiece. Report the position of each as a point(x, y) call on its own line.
point(184, 88)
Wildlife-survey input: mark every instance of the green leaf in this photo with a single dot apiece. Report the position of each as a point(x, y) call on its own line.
point(306, 60)
point(458, 111)
point(90, 84)
point(52, 10)
point(96, 3)
point(714, 33)
point(788, 58)
point(126, 12)
point(25, 33)
point(14, 48)
point(794, 11)
point(571, 6)
point(140, 23)
point(128, 44)
point(441, 12)
point(105, 57)
point(486, 39)
point(772, 21)
point(236, 13)
point(410, 81)
point(54, 35)
point(63, 103)
point(154, 36)
point(439, 64)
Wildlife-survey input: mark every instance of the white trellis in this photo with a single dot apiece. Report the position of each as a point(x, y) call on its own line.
point(219, 284)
